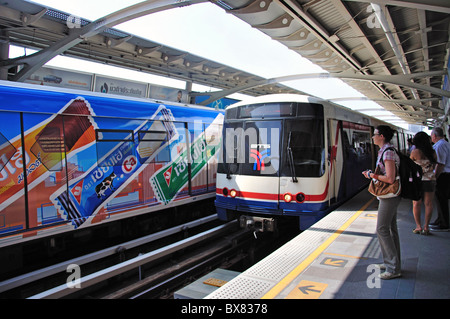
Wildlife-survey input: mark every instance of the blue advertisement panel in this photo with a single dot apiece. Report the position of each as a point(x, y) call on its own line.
point(220, 104)
point(83, 158)
point(446, 86)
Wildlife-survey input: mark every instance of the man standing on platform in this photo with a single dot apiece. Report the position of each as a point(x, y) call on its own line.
point(442, 172)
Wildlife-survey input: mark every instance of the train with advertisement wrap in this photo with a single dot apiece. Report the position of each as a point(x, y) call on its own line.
point(292, 156)
point(70, 160)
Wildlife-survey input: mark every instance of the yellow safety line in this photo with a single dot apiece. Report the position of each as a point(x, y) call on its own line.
point(272, 293)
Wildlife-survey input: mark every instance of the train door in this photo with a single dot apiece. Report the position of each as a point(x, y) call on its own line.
point(47, 169)
point(335, 159)
point(12, 186)
point(357, 156)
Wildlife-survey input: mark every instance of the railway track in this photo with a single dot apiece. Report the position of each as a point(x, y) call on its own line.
point(238, 251)
point(34, 282)
point(113, 277)
point(150, 267)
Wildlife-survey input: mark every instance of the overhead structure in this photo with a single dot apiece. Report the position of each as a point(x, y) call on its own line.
point(365, 38)
point(54, 32)
point(362, 42)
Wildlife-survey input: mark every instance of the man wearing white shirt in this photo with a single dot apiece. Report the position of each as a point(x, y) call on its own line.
point(442, 172)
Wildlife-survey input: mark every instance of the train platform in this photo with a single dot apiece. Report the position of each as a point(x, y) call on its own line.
point(334, 259)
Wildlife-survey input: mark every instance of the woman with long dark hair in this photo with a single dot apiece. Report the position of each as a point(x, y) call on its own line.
point(425, 156)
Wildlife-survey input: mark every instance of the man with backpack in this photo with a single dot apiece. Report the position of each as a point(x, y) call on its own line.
point(442, 172)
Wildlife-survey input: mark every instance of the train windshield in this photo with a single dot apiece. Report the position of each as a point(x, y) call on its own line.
point(277, 139)
point(251, 148)
point(304, 148)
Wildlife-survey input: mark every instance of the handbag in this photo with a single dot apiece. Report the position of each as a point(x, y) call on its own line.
point(382, 189)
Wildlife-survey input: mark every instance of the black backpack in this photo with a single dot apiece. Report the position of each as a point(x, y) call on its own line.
point(410, 176)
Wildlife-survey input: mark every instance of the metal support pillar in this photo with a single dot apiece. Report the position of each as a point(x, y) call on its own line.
point(4, 53)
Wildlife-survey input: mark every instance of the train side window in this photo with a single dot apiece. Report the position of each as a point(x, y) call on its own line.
point(150, 142)
point(361, 143)
point(394, 140)
point(113, 146)
point(153, 143)
point(213, 134)
point(7, 151)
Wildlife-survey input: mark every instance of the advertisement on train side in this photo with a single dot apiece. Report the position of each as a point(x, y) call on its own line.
point(90, 158)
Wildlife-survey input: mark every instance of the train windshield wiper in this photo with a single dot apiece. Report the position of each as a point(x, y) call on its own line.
point(291, 159)
point(228, 170)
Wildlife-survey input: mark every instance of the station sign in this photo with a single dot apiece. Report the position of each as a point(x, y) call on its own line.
point(111, 85)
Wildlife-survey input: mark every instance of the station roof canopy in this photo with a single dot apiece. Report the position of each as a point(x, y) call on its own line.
point(400, 47)
point(393, 52)
point(35, 26)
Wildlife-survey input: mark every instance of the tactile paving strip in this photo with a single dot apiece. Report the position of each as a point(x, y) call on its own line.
point(244, 288)
point(256, 281)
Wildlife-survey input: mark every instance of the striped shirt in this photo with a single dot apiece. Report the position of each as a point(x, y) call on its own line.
point(388, 155)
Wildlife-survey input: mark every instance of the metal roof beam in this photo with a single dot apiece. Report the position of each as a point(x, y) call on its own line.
point(430, 5)
point(387, 24)
point(35, 61)
point(415, 103)
point(313, 26)
point(403, 80)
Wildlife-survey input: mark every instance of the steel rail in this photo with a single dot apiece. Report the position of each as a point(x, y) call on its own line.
point(99, 276)
point(62, 266)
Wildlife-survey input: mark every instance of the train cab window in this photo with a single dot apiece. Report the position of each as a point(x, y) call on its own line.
point(251, 148)
point(261, 148)
point(7, 151)
point(228, 161)
point(303, 148)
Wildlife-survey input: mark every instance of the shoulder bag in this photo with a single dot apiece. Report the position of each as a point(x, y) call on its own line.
point(382, 189)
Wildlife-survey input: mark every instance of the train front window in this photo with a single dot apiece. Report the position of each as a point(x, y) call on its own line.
point(251, 148)
point(303, 147)
point(261, 148)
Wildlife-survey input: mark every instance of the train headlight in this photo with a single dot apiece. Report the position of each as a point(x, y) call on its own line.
point(287, 197)
point(300, 197)
point(233, 193)
point(225, 192)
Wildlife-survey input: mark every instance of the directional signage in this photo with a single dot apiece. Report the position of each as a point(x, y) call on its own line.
point(307, 290)
point(334, 262)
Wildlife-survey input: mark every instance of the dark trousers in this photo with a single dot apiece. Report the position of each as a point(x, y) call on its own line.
point(442, 196)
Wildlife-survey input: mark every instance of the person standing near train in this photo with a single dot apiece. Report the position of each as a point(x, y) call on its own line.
point(425, 156)
point(387, 231)
point(442, 172)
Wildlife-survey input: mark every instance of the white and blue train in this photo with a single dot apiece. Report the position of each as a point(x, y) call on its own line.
point(292, 155)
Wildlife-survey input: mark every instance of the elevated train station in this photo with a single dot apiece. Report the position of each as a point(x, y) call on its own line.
point(395, 53)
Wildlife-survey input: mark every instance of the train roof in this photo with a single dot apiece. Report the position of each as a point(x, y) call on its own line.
point(271, 98)
point(100, 94)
